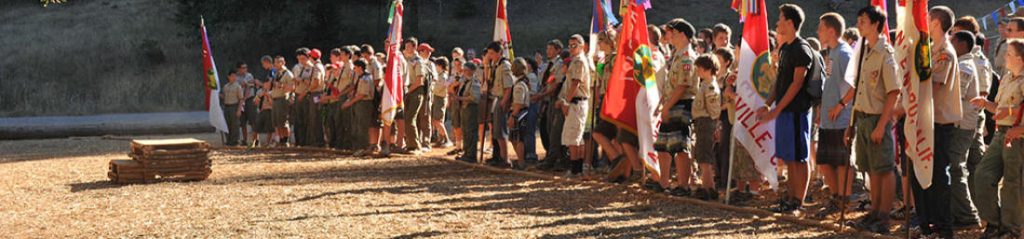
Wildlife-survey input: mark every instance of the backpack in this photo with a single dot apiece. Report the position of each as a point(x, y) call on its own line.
point(815, 81)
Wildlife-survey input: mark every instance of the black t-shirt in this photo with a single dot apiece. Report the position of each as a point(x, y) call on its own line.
point(792, 55)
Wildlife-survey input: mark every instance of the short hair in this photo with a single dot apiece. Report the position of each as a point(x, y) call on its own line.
point(979, 39)
point(793, 13)
point(726, 55)
point(441, 61)
point(557, 44)
point(968, 23)
point(578, 38)
point(413, 40)
point(280, 58)
point(680, 25)
point(965, 37)
point(469, 66)
point(347, 51)
point(266, 58)
point(336, 52)
point(720, 28)
point(1019, 21)
point(366, 48)
point(851, 35)
point(815, 43)
point(459, 50)
point(944, 15)
point(519, 66)
point(874, 15)
point(707, 32)
point(302, 51)
point(1017, 46)
point(494, 46)
point(834, 21)
point(232, 72)
point(608, 36)
point(654, 33)
point(360, 63)
point(708, 63)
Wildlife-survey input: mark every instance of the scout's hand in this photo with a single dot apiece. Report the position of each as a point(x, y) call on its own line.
point(347, 104)
point(876, 135)
point(765, 114)
point(1001, 114)
point(848, 135)
point(565, 110)
point(238, 113)
point(664, 115)
point(833, 114)
point(511, 123)
point(979, 102)
point(1012, 134)
point(718, 136)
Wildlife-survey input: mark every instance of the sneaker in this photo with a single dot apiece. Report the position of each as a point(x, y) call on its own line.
point(680, 192)
point(519, 165)
point(386, 151)
point(466, 159)
point(447, 145)
point(880, 227)
point(785, 206)
point(501, 163)
point(865, 222)
point(454, 152)
point(831, 207)
point(993, 232)
point(588, 169)
point(712, 194)
point(359, 153)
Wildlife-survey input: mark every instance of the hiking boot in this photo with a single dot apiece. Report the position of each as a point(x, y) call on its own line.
point(519, 165)
point(680, 192)
point(865, 222)
point(880, 227)
point(386, 151)
point(992, 232)
point(785, 206)
point(454, 152)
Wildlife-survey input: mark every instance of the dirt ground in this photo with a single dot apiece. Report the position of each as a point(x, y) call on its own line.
point(58, 188)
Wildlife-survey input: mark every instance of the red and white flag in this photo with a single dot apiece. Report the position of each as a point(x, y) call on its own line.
point(501, 31)
point(913, 54)
point(393, 83)
point(632, 95)
point(212, 84)
point(753, 86)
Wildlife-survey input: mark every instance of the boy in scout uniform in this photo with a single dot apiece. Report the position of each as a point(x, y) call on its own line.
point(962, 208)
point(360, 104)
point(374, 67)
point(249, 111)
point(414, 97)
point(303, 71)
point(707, 108)
point(331, 105)
point(575, 103)
point(498, 77)
point(439, 103)
point(469, 98)
point(282, 80)
point(1000, 207)
point(935, 214)
point(264, 124)
point(553, 118)
point(877, 90)
point(676, 107)
point(423, 119)
point(234, 99)
point(454, 106)
point(520, 104)
point(345, 87)
point(314, 121)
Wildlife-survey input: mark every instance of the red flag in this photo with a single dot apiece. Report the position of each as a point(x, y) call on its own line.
point(753, 84)
point(210, 80)
point(632, 89)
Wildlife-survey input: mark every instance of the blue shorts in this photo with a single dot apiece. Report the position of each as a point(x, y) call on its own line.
point(793, 136)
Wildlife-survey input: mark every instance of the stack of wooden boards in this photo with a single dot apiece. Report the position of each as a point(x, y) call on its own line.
point(163, 160)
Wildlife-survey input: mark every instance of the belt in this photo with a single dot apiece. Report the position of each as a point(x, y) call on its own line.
point(859, 114)
point(1003, 128)
point(230, 105)
point(576, 100)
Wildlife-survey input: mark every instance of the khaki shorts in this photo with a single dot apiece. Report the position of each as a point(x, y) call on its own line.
point(572, 132)
point(280, 112)
point(437, 108)
point(872, 157)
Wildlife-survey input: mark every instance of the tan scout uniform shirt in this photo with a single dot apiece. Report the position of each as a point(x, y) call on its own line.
point(580, 70)
point(877, 78)
point(284, 78)
point(304, 74)
point(316, 83)
point(1010, 96)
point(440, 86)
point(365, 86)
point(681, 73)
point(233, 93)
point(521, 93)
point(946, 84)
point(503, 78)
point(707, 102)
point(968, 90)
point(418, 71)
point(331, 81)
point(472, 89)
point(982, 69)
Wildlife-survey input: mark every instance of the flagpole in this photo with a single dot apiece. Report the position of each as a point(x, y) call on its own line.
point(728, 180)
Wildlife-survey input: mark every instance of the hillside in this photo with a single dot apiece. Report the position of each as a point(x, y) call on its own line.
point(90, 57)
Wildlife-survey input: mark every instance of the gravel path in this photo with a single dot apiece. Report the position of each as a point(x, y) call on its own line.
point(254, 194)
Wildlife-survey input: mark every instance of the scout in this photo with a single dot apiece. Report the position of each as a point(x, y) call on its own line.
point(423, 119)
point(1000, 207)
point(553, 119)
point(345, 88)
point(234, 100)
point(676, 108)
point(303, 71)
point(469, 97)
point(331, 106)
point(876, 93)
point(604, 131)
point(249, 111)
point(376, 70)
point(833, 154)
point(454, 106)
point(439, 104)
point(314, 121)
point(498, 76)
point(575, 103)
point(282, 80)
point(706, 110)
point(414, 97)
point(264, 124)
point(963, 212)
point(360, 103)
point(520, 103)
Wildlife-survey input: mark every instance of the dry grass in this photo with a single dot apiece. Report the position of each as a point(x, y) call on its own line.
point(253, 194)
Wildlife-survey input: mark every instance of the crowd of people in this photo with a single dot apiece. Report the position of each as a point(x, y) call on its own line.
point(457, 101)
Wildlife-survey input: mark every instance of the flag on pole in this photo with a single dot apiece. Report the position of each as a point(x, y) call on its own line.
point(501, 31)
point(753, 86)
point(913, 57)
point(601, 20)
point(632, 94)
point(393, 83)
point(212, 83)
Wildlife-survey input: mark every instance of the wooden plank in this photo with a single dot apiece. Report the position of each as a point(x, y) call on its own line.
point(172, 152)
point(146, 146)
point(145, 159)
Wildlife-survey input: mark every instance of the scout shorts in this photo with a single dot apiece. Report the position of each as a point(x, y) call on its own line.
point(280, 112)
point(572, 131)
point(872, 157)
point(704, 149)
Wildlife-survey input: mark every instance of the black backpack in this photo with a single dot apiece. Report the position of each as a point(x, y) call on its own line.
point(815, 81)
